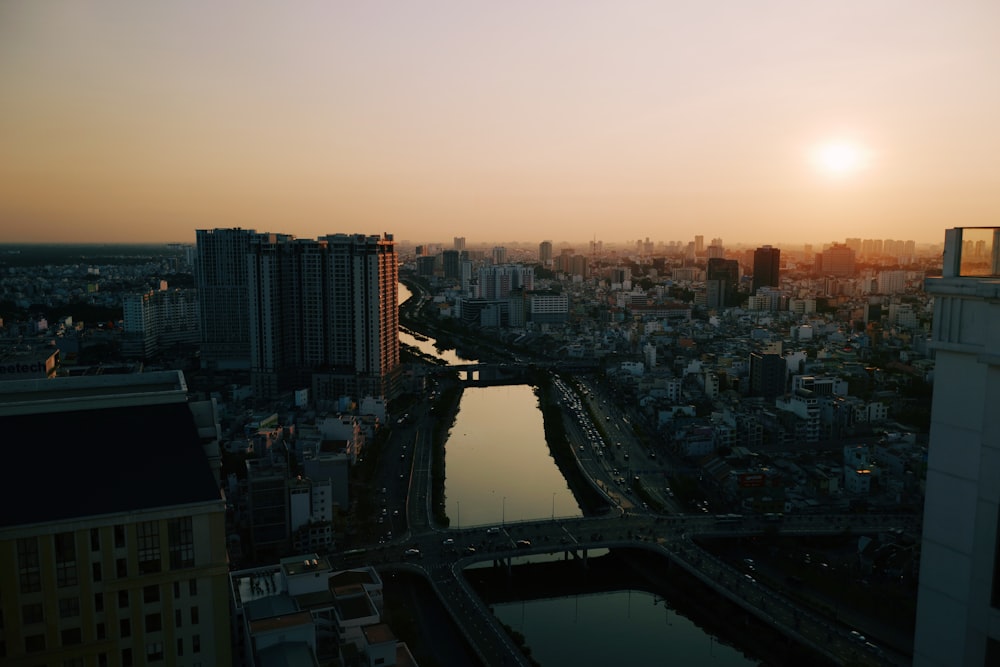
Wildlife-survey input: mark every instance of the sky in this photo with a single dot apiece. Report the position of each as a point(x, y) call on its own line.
point(763, 121)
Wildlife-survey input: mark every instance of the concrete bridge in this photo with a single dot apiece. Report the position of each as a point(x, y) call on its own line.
point(441, 555)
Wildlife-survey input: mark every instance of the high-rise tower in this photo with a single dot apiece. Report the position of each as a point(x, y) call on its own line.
point(300, 312)
point(221, 278)
point(766, 262)
point(324, 313)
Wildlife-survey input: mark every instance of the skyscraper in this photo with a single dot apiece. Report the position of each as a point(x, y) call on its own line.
point(221, 278)
point(766, 263)
point(958, 608)
point(298, 312)
point(324, 314)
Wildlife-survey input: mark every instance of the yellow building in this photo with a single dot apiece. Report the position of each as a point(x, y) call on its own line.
point(112, 527)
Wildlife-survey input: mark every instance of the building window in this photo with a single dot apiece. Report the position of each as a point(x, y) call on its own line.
point(180, 646)
point(73, 662)
point(122, 599)
point(69, 607)
point(196, 644)
point(71, 636)
point(96, 571)
point(126, 657)
point(102, 633)
point(151, 594)
point(177, 590)
point(32, 613)
point(95, 539)
point(65, 544)
point(148, 536)
point(154, 651)
point(153, 623)
point(180, 535)
point(119, 536)
point(192, 587)
point(33, 643)
point(124, 628)
point(27, 565)
point(121, 567)
point(178, 618)
point(102, 660)
point(194, 615)
point(98, 602)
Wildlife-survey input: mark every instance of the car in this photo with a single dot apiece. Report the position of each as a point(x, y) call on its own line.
point(448, 542)
point(470, 549)
point(492, 531)
point(523, 544)
point(412, 553)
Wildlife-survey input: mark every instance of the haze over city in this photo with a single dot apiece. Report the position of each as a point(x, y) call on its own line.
point(766, 122)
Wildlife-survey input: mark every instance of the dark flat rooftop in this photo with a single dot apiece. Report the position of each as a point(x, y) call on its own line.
point(64, 465)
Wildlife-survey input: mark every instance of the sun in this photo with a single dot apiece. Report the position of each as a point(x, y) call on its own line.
point(841, 158)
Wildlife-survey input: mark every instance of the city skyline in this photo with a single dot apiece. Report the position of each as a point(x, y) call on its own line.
point(780, 123)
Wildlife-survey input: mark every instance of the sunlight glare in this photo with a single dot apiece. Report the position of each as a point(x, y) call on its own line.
point(841, 158)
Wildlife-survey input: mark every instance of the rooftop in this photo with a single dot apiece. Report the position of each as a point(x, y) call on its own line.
point(106, 460)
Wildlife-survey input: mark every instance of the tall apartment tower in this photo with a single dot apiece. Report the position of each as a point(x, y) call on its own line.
point(220, 273)
point(112, 552)
point(324, 314)
point(958, 607)
point(766, 262)
point(545, 253)
point(459, 243)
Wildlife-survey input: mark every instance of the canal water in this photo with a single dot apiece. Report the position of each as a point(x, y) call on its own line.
point(498, 470)
point(621, 627)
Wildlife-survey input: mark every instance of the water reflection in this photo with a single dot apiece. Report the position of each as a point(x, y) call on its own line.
point(623, 627)
point(497, 466)
point(426, 346)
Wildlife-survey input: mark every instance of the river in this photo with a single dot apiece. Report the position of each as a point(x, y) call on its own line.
point(498, 470)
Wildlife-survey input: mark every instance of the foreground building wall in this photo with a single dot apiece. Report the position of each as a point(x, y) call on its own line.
point(958, 611)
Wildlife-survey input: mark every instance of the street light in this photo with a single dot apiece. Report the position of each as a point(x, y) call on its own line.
point(503, 510)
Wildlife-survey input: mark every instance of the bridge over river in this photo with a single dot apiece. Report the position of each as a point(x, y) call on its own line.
point(440, 555)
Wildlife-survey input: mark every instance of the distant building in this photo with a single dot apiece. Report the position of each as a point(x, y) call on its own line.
point(958, 606)
point(122, 561)
point(837, 260)
point(451, 264)
point(768, 373)
point(159, 320)
point(545, 253)
point(722, 276)
point(766, 267)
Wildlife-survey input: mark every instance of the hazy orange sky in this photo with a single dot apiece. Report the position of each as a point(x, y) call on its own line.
point(521, 120)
